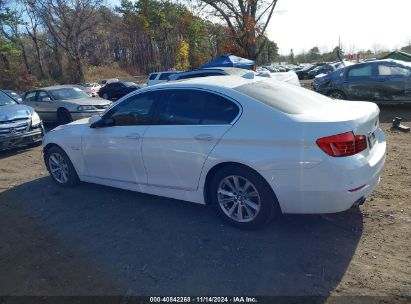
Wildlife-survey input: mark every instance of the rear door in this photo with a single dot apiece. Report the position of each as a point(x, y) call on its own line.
point(393, 82)
point(187, 125)
point(360, 82)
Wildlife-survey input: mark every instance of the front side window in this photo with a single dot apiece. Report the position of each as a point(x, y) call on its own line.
point(31, 96)
point(362, 71)
point(43, 96)
point(135, 110)
point(194, 107)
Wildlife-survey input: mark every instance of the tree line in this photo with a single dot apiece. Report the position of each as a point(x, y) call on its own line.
point(64, 41)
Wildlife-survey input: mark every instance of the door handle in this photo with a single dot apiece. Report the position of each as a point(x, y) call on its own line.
point(133, 136)
point(203, 137)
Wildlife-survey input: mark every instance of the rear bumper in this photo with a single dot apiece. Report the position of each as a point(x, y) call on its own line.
point(325, 187)
point(22, 139)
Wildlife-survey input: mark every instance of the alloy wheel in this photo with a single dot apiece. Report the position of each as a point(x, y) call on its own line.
point(239, 198)
point(59, 168)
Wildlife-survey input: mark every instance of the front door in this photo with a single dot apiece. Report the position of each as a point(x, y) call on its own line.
point(113, 152)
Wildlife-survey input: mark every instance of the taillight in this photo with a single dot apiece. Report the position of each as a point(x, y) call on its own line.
point(344, 144)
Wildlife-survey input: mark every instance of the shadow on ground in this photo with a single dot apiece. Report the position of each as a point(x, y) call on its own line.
point(389, 112)
point(99, 240)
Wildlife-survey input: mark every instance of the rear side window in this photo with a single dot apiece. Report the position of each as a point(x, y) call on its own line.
point(365, 70)
point(284, 97)
point(218, 110)
point(152, 76)
point(194, 107)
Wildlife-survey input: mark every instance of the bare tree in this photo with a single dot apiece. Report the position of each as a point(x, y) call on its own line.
point(68, 21)
point(32, 27)
point(247, 21)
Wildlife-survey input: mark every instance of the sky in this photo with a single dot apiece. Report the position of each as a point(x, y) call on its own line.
point(360, 24)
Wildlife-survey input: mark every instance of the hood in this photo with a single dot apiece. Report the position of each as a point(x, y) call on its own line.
point(89, 101)
point(12, 112)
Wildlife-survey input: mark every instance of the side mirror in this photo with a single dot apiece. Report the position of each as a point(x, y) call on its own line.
point(95, 121)
point(98, 122)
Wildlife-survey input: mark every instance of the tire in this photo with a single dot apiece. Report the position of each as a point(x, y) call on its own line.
point(336, 94)
point(105, 96)
point(64, 116)
point(229, 194)
point(60, 167)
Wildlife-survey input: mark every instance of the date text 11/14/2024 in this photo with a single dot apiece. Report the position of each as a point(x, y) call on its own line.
point(203, 299)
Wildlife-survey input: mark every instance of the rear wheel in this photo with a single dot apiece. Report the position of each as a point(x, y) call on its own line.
point(64, 116)
point(60, 167)
point(338, 95)
point(242, 197)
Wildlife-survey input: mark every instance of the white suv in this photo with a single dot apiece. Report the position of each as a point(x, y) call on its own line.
point(159, 77)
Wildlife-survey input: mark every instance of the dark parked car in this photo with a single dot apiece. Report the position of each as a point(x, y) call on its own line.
point(382, 81)
point(116, 90)
point(325, 69)
point(303, 73)
point(19, 124)
point(14, 95)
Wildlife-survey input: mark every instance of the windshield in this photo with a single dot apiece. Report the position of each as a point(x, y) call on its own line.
point(68, 93)
point(284, 97)
point(6, 99)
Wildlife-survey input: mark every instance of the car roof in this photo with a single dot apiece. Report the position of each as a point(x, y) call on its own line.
point(228, 81)
point(61, 86)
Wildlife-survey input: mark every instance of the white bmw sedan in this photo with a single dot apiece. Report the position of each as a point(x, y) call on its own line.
point(251, 148)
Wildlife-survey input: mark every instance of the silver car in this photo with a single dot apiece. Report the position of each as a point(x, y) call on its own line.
point(64, 104)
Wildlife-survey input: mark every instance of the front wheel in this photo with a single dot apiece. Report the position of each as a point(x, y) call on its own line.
point(60, 167)
point(242, 197)
point(64, 116)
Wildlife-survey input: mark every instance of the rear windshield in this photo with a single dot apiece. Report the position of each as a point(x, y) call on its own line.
point(285, 97)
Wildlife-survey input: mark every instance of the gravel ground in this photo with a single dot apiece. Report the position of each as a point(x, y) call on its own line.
point(96, 240)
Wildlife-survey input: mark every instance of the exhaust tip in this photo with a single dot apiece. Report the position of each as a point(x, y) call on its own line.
point(359, 202)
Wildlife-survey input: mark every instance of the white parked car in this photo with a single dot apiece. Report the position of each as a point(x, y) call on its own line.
point(159, 77)
point(252, 148)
